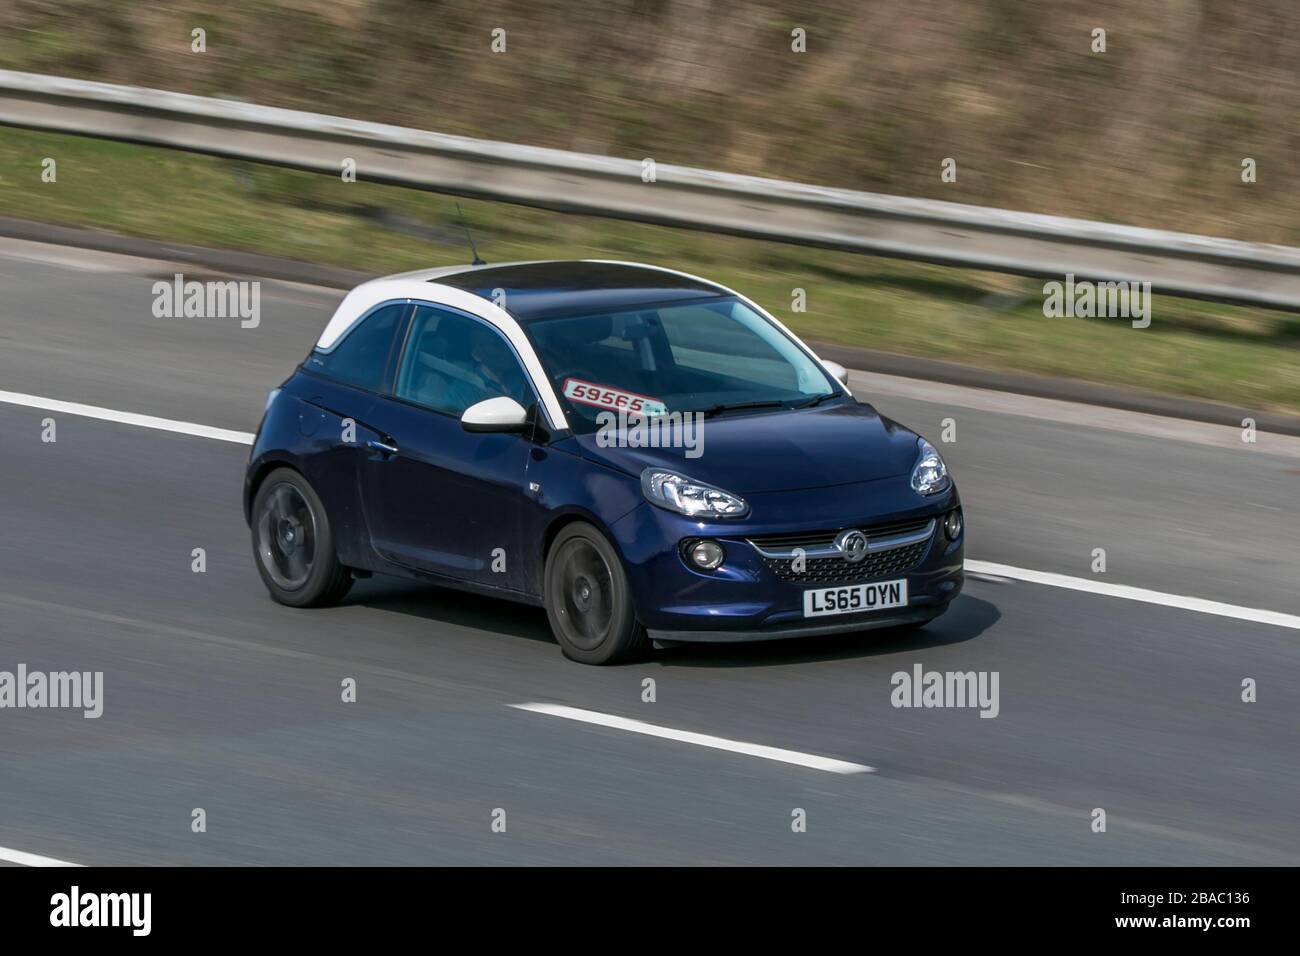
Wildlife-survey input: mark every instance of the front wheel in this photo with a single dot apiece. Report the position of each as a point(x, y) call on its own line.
point(588, 600)
point(293, 544)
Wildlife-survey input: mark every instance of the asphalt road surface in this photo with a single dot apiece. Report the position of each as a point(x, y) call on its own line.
point(216, 698)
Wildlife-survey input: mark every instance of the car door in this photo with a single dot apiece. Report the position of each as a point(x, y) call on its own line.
point(438, 498)
point(335, 399)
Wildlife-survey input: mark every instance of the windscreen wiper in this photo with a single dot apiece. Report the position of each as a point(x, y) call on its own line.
point(724, 407)
point(814, 402)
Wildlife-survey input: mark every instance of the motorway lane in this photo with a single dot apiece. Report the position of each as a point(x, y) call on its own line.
point(83, 325)
point(1174, 514)
point(218, 698)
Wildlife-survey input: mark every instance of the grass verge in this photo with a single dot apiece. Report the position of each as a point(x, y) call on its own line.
point(1245, 356)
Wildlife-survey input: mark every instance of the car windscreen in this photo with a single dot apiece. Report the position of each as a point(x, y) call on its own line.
point(713, 356)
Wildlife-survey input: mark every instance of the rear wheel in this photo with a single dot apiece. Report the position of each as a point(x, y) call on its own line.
point(588, 600)
point(293, 545)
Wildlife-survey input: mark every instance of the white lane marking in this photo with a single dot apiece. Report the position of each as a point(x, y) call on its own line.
point(700, 740)
point(30, 859)
point(976, 567)
point(991, 578)
point(1137, 594)
point(126, 418)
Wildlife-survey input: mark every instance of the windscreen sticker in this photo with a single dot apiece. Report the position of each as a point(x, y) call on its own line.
point(614, 399)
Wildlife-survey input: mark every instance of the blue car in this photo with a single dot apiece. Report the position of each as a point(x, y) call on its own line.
point(649, 456)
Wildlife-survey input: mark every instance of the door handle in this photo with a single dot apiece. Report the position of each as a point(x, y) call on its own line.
point(381, 447)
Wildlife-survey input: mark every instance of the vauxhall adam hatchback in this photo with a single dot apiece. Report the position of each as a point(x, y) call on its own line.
point(484, 428)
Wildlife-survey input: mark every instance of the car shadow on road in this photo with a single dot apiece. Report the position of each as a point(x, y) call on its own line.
point(449, 606)
point(968, 618)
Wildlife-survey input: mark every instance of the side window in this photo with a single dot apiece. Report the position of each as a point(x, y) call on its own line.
point(361, 358)
point(452, 362)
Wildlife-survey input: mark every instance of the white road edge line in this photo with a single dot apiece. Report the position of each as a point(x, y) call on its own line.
point(126, 418)
point(30, 859)
point(811, 761)
point(1124, 591)
point(1128, 593)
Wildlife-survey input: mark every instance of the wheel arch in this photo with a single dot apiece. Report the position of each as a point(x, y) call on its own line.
point(561, 521)
point(258, 475)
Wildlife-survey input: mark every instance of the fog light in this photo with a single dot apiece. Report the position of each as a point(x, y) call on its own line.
point(706, 555)
point(952, 525)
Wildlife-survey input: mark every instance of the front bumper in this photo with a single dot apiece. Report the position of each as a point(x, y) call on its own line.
point(849, 624)
point(745, 599)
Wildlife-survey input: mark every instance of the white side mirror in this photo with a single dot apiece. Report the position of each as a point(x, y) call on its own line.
point(840, 373)
point(500, 414)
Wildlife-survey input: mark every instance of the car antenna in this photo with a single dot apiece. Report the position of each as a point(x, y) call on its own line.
point(468, 235)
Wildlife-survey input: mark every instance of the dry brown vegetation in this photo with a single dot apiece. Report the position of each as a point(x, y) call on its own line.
point(1151, 132)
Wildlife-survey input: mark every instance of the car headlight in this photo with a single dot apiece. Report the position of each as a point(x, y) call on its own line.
point(929, 474)
point(695, 499)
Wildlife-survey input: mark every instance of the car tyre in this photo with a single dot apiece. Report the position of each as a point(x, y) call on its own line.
point(293, 544)
point(588, 600)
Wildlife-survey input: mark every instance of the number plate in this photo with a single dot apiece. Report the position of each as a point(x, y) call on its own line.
point(855, 598)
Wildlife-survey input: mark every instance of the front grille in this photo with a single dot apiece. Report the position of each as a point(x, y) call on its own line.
point(835, 570)
point(812, 540)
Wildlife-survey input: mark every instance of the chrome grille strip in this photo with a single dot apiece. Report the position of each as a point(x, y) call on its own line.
point(874, 544)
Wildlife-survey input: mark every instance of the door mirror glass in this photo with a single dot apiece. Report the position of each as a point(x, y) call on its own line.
point(500, 414)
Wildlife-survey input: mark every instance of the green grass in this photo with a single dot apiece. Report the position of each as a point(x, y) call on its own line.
point(1196, 349)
